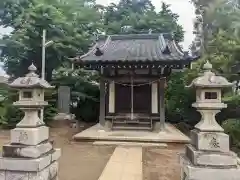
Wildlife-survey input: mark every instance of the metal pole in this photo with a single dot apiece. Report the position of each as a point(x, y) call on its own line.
point(43, 53)
point(43, 65)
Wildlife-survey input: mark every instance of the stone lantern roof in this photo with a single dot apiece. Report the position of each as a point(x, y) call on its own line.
point(210, 79)
point(31, 80)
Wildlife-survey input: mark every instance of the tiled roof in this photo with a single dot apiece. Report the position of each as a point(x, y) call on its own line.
point(134, 47)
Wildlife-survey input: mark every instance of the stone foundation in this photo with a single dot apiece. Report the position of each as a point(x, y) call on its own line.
point(37, 161)
point(48, 173)
point(191, 172)
point(209, 158)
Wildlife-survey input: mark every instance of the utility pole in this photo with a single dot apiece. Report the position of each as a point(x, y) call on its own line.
point(44, 45)
point(43, 53)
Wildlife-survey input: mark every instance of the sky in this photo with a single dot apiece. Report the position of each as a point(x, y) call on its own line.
point(183, 8)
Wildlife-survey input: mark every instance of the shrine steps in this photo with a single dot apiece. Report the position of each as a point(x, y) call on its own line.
point(132, 125)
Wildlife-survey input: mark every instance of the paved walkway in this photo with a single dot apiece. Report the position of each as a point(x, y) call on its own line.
point(124, 164)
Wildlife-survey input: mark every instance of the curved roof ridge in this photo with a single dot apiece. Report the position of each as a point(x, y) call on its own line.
point(162, 42)
point(177, 48)
point(135, 36)
point(96, 46)
point(90, 51)
point(106, 43)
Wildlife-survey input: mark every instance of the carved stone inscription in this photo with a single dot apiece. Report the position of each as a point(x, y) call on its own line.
point(213, 140)
point(23, 137)
point(214, 143)
point(26, 81)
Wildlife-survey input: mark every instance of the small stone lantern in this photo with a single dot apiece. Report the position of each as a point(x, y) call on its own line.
point(208, 156)
point(30, 155)
point(31, 97)
point(209, 98)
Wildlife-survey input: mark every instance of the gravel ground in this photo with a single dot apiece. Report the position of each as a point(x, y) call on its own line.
point(162, 164)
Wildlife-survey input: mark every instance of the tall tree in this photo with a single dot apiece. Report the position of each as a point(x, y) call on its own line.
point(134, 16)
point(68, 23)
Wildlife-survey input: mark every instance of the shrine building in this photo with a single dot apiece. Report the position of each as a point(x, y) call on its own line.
point(133, 76)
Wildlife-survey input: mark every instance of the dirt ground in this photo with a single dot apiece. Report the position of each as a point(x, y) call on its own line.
point(84, 161)
point(162, 164)
point(79, 161)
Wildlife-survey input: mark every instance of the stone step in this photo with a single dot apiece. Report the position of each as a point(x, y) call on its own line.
point(130, 144)
point(131, 125)
point(132, 128)
point(132, 122)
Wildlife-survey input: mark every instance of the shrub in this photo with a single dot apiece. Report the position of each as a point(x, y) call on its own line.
point(232, 128)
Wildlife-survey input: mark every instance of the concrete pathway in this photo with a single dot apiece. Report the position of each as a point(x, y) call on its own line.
point(124, 164)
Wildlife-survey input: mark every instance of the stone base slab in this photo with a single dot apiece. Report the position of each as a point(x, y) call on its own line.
point(48, 173)
point(29, 136)
point(64, 116)
point(21, 151)
point(215, 159)
point(210, 141)
point(26, 165)
point(107, 126)
point(96, 133)
point(191, 172)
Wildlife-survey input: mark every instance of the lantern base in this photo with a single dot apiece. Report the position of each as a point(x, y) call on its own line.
point(190, 171)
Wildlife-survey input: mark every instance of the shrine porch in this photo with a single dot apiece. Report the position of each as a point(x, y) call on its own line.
point(170, 135)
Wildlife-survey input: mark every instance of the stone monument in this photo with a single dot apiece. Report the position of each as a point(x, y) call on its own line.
point(30, 155)
point(64, 104)
point(208, 157)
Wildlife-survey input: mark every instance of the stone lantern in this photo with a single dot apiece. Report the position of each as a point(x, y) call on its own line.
point(208, 156)
point(30, 155)
point(31, 98)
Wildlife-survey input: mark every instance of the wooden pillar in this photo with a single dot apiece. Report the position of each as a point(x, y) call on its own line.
point(102, 102)
point(111, 103)
point(162, 103)
point(154, 98)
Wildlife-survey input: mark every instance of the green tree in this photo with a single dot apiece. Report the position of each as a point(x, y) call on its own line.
point(71, 25)
point(84, 91)
point(132, 16)
point(68, 23)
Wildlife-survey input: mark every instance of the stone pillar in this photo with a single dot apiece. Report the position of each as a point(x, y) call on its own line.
point(64, 101)
point(208, 156)
point(30, 155)
point(102, 103)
